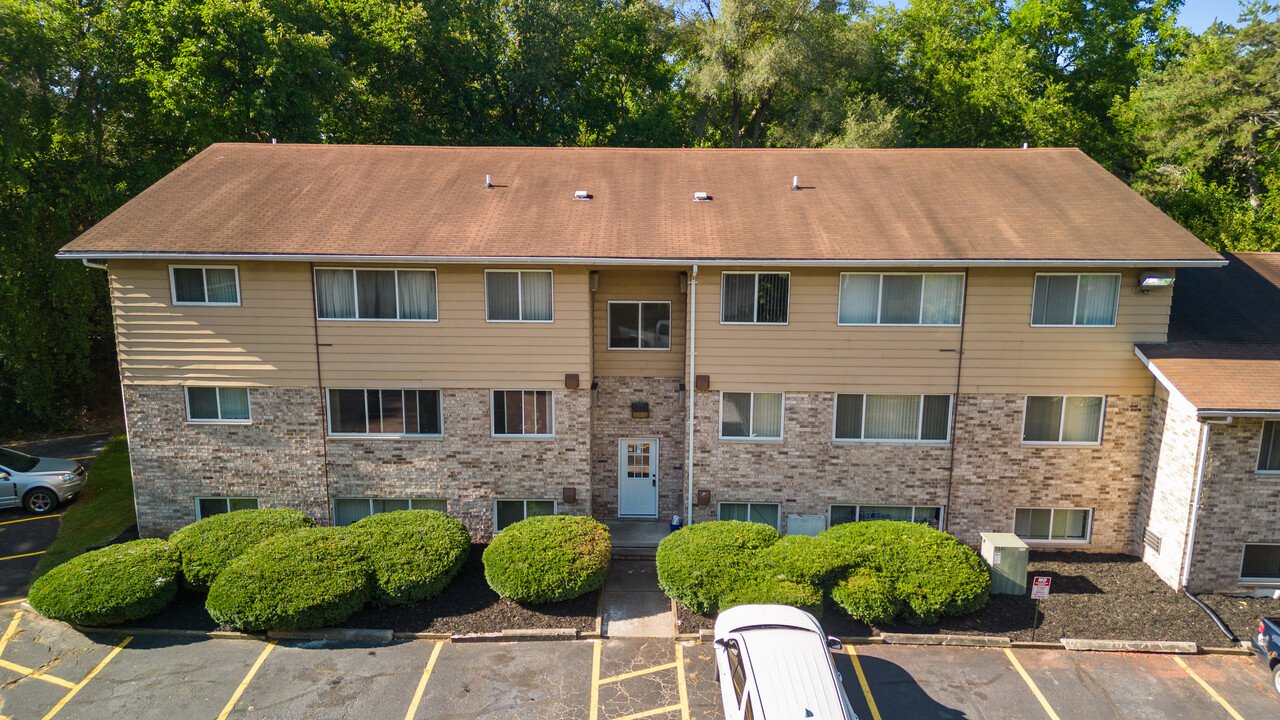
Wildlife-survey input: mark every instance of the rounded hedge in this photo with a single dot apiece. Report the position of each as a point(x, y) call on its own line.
point(208, 546)
point(414, 554)
point(307, 578)
point(121, 582)
point(908, 571)
point(548, 558)
point(704, 566)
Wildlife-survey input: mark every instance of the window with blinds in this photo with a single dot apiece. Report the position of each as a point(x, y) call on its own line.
point(205, 284)
point(353, 294)
point(751, 416)
point(1067, 300)
point(518, 295)
point(901, 298)
point(754, 298)
point(893, 418)
point(1067, 419)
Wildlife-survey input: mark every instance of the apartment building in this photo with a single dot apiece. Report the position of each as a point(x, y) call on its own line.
point(797, 337)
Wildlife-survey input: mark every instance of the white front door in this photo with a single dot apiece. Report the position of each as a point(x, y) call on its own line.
point(638, 477)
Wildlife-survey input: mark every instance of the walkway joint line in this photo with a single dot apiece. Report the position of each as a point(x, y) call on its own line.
point(422, 683)
point(862, 680)
point(1032, 684)
point(39, 517)
point(595, 681)
point(235, 697)
point(637, 673)
point(78, 686)
point(684, 690)
point(1214, 693)
point(35, 674)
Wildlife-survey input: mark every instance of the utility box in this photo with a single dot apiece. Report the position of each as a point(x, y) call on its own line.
point(1006, 557)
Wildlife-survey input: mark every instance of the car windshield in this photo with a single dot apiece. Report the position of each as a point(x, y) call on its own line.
point(16, 461)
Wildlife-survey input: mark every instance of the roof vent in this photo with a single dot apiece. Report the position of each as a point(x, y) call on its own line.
point(701, 197)
point(581, 195)
point(795, 182)
point(487, 185)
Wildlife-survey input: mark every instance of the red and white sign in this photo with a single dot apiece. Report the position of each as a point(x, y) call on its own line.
point(1040, 588)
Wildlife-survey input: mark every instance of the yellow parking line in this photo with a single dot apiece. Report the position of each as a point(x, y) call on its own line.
point(637, 673)
point(84, 457)
point(42, 517)
point(78, 686)
point(862, 680)
point(13, 602)
point(1214, 693)
point(650, 713)
point(235, 697)
point(422, 684)
point(684, 691)
point(1031, 684)
point(27, 672)
point(9, 632)
point(54, 439)
point(595, 681)
point(15, 557)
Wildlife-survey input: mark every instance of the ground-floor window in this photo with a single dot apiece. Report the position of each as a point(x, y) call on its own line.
point(510, 512)
point(209, 506)
point(1053, 524)
point(930, 515)
point(766, 513)
point(349, 510)
point(1269, 453)
point(218, 404)
point(384, 412)
point(1261, 563)
point(526, 413)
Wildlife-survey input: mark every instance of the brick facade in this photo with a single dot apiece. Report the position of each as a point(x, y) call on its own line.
point(1169, 475)
point(611, 421)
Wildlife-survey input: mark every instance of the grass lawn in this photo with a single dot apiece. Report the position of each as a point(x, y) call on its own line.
point(103, 510)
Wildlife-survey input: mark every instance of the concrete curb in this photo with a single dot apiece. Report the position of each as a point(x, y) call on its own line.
point(171, 632)
point(520, 635)
point(1148, 646)
point(949, 640)
point(334, 634)
point(420, 636)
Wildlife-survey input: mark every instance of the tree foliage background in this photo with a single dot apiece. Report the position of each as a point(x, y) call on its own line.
point(100, 98)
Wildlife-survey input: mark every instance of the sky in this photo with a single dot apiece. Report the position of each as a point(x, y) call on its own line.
point(1196, 15)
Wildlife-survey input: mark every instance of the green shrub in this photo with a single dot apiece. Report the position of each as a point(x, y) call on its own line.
point(548, 558)
point(413, 553)
point(920, 573)
point(208, 546)
point(705, 566)
point(108, 586)
point(311, 577)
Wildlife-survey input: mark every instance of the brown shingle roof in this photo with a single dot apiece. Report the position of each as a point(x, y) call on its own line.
point(1224, 335)
point(856, 205)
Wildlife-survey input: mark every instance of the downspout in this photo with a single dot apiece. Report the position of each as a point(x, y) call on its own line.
point(693, 354)
point(324, 429)
point(90, 264)
point(955, 403)
point(1195, 498)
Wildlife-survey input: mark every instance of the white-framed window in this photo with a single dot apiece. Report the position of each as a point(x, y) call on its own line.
point(376, 294)
point(1269, 452)
point(901, 298)
point(893, 418)
point(754, 298)
point(349, 510)
point(1075, 299)
point(1057, 525)
point(751, 416)
point(639, 325)
point(518, 295)
point(210, 506)
point(205, 284)
point(510, 512)
point(767, 513)
point(523, 413)
point(1063, 419)
point(223, 405)
point(1260, 563)
point(930, 515)
point(385, 412)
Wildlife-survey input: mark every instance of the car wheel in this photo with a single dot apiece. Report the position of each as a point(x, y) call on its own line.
point(40, 501)
point(1275, 677)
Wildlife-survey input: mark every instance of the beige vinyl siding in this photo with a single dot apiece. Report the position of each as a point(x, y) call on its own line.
point(648, 284)
point(1003, 353)
point(462, 349)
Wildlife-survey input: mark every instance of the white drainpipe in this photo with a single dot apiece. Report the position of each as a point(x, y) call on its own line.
point(1195, 497)
point(693, 313)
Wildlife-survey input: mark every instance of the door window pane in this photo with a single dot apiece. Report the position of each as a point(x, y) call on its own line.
point(1261, 562)
point(900, 299)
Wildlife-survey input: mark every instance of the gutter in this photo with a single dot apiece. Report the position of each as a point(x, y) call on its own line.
point(693, 354)
point(1204, 414)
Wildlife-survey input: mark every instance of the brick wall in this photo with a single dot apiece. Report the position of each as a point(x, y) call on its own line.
point(611, 421)
point(1173, 447)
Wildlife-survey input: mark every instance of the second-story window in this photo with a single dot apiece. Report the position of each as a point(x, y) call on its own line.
point(1063, 419)
point(1075, 299)
point(205, 285)
point(350, 294)
point(747, 297)
point(518, 295)
point(901, 298)
point(639, 325)
point(751, 416)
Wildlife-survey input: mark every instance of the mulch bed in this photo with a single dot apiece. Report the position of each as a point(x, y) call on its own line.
point(466, 606)
point(1097, 596)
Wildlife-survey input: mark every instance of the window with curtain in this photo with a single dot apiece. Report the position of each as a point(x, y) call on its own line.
point(1269, 454)
point(510, 512)
point(349, 510)
point(384, 412)
point(354, 294)
point(759, 298)
point(218, 404)
point(210, 506)
point(518, 295)
point(523, 412)
point(639, 325)
point(1052, 524)
point(205, 285)
point(1063, 419)
point(1261, 563)
point(766, 513)
point(901, 298)
point(930, 515)
point(922, 418)
point(1075, 299)
point(751, 415)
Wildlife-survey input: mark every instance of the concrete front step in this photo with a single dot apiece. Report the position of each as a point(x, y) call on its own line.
point(634, 553)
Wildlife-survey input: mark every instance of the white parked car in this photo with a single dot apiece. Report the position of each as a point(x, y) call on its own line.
point(774, 663)
point(38, 483)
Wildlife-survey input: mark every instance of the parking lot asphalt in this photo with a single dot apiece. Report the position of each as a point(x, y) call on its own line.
point(49, 671)
point(25, 536)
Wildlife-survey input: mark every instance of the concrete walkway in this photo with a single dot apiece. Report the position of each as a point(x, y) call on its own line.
point(633, 605)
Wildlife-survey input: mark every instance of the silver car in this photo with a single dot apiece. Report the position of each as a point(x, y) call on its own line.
point(37, 483)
